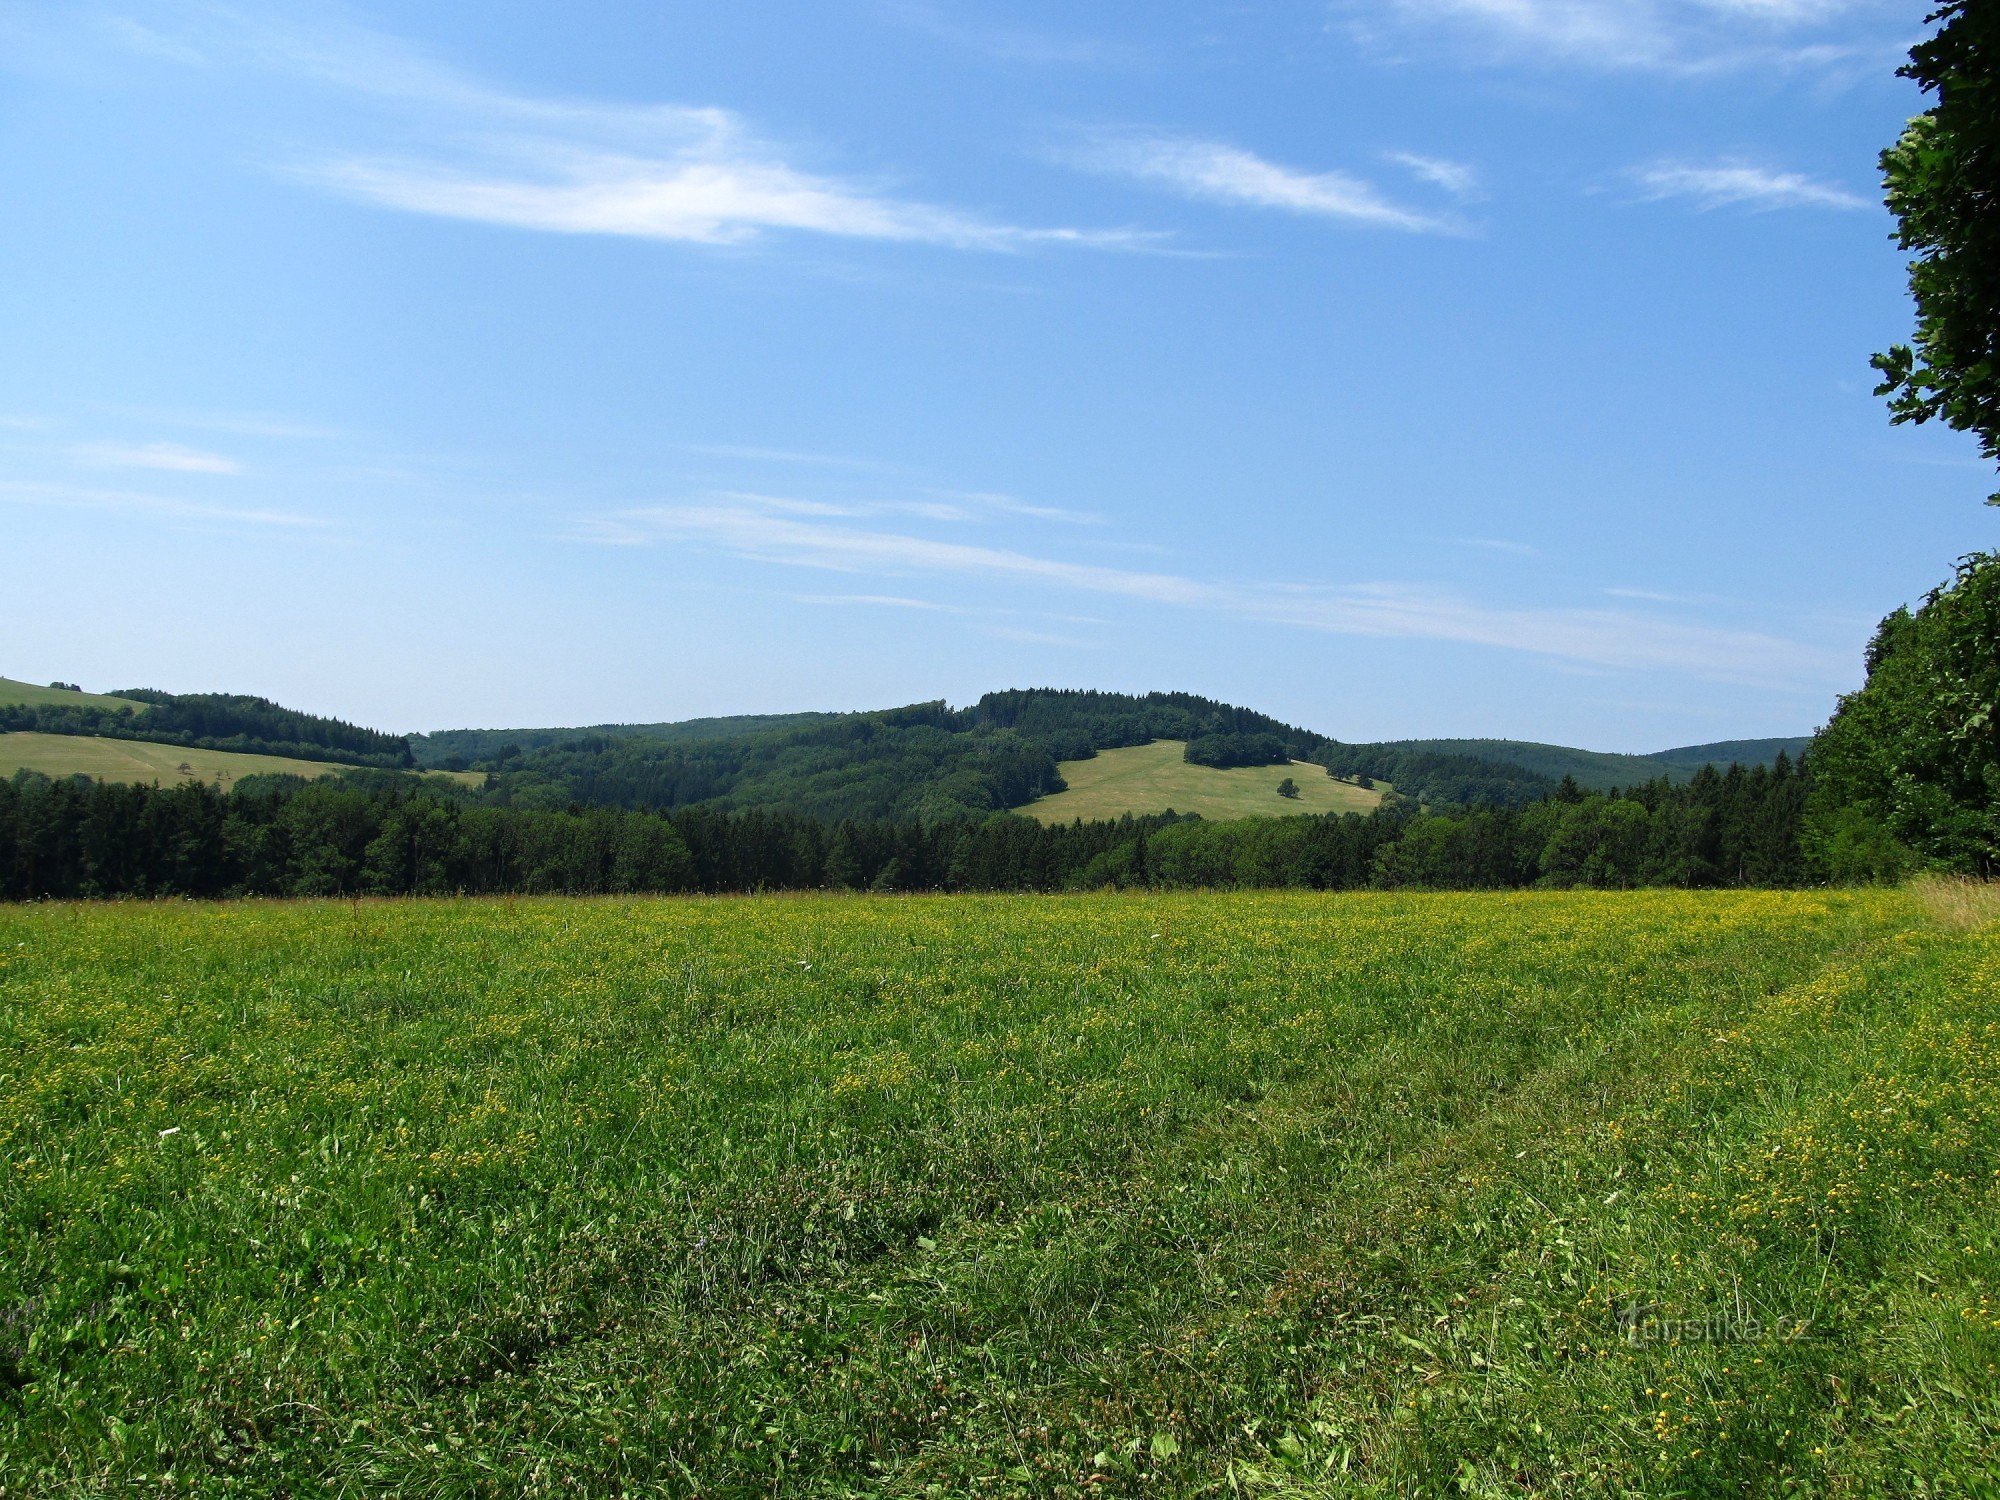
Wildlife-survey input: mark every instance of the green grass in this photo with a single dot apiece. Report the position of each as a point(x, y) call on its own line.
point(1154, 778)
point(142, 760)
point(1265, 1194)
point(31, 695)
point(105, 759)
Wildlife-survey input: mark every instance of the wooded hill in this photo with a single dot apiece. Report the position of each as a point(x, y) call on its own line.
point(928, 761)
point(1599, 770)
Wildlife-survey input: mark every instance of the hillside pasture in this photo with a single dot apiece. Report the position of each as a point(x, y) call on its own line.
point(1154, 778)
point(34, 695)
point(1278, 1195)
point(105, 759)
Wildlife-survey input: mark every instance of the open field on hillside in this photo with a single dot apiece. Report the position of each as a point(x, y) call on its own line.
point(1153, 778)
point(1277, 1195)
point(34, 695)
point(142, 760)
point(106, 759)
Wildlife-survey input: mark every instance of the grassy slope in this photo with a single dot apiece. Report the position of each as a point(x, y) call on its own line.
point(12, 692)
point(142, 760)
point(1602, 769)
point(1153, 778)
point(1264, 1194)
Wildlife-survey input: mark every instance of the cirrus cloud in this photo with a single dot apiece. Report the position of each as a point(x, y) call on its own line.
point(171, 458)
point(1220, 173)
point(1744, 184)
point(1678, 37)
point(1615, 639)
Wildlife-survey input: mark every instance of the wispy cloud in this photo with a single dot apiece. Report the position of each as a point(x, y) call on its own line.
point(1220, 173)
point(753, 454)
point(722, 188)
point(169, 458)
point(1455, 177)
point(693, 174)
point(160, 507)
point(1745, 184)
point(1497, 544)
point(1041, 638)
point(1008, 505)
point(878, 601)
point(1607, 638)
point(937, 503)
point(957, 506)
point(1686, 37)
point(1659, 596)
point(674, 172)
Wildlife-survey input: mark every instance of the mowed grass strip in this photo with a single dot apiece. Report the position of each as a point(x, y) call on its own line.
point(104, 759)
point(1262, 1193)
point(1153, 778)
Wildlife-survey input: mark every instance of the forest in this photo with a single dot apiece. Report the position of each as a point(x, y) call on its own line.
point(386, 835)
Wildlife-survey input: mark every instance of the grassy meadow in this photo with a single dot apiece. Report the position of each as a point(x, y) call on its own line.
point(1153, 778)
point(1254, 1194)
point(35, 695)
point(105, 759)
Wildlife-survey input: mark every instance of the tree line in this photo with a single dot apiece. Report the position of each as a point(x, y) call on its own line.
point(1908, 769)
point(379, 834)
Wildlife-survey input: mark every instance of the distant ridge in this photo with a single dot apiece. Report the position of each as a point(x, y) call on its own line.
point(928, 761)
point(1601, 770)
point(482, 744)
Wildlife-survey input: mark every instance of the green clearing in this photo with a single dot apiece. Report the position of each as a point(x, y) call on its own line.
point(1153, 779)
point(1274, 1194)
point(106, 759)
point(30, 695)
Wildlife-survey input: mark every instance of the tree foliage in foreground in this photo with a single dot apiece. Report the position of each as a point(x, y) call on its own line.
point(1908, 770)
point(1943, 181)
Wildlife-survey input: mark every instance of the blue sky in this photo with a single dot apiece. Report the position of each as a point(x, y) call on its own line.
point(1404, 368)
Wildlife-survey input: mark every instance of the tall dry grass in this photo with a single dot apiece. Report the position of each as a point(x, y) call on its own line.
point(1957, 901)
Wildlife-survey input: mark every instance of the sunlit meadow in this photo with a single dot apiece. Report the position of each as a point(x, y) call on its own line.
point(1248, 1194)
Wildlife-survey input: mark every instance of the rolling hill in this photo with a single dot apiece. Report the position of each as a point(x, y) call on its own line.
point(445, 745)
point(1017, 749)
point(1601, 770)
point(1142, 779)
point(32, 695)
